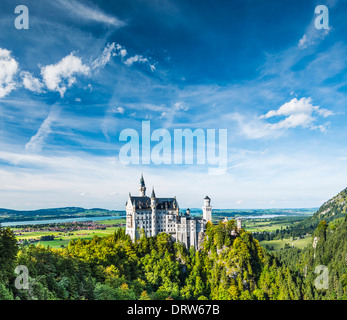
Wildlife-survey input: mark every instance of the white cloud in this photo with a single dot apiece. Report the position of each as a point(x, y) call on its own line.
point(36, 142)
point(294, 106)
point(31, 83)
point(58, 77)
point(293, 121)
point(138, 59)
point(297, 113)
point(120, 110)
point(123, 52)
point(8, 69)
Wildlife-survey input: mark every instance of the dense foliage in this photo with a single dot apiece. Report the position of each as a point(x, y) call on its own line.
point(230, 265)
point(330, 252)
point(227, 267)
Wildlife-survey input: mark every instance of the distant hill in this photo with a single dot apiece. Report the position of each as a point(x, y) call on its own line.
point(67, 212)
point(335, 208)
point(332, 209)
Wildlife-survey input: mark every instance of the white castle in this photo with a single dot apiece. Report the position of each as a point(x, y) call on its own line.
point(155, 215)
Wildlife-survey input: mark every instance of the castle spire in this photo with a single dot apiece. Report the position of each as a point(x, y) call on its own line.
point(142, 190)
point(153, 193)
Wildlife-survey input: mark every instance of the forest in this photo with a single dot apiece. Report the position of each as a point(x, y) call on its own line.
point(228, 267)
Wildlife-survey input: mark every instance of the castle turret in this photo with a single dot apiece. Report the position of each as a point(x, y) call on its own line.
point(207, 209)
point(142, 190)
point(239, 224)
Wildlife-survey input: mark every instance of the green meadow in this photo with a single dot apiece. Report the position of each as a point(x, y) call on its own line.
point(62, 239)
point(261, 225)
point(280, 244)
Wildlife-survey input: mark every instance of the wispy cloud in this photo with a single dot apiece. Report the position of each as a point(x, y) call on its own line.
point(90, 13)
point(252, 127)
point(312, 36)
point(181, 106)
point(105, 57)
point(115, 49)
point(36, 142)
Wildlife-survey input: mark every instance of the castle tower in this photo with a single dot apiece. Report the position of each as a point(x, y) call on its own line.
point(239, 224)
point(154, 213)
point(142, 190)
point(207, 209)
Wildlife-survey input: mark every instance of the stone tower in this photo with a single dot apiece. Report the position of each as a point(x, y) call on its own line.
point(239, 224)
point(142, 190)
point(207, 209)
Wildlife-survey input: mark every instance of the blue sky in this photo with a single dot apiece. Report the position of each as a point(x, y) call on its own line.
point(86, 70)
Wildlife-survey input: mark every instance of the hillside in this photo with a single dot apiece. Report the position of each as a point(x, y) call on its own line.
point(335, 208)
point(330, 251)
point(329, 229)
point(332, 209)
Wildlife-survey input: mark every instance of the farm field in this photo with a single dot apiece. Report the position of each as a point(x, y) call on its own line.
point(85, 234)
point(62, 239)
point(269, 225)
point(280, 244)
